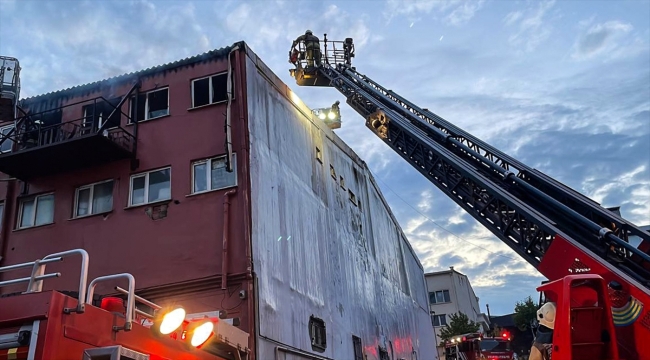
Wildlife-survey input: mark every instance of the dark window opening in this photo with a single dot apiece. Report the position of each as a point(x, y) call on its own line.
point(353, 197)
point(317, 334)
point(201, 92)
point(150, 105)
point(319, 155)
point(358, 350)
point(158, 104)
point(95, 115)
point(220, 88)
point(211, 90)
point(383, 354)
point(332, 172)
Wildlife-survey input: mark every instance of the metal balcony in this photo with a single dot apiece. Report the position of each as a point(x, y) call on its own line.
point(9, 87)
point(42, 144)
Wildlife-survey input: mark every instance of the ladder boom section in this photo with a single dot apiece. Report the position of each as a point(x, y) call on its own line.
point(522, 206)
point(550, 187)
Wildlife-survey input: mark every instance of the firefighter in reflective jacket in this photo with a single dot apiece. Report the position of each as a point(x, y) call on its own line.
point(543, 343)
point(312, 47)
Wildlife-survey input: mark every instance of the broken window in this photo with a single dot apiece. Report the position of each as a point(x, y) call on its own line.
point(151, 105)
point(210, 90)
point(383, 354)
point(358, 350)
point(353, 197)
point(317, 334)
point(96, 114)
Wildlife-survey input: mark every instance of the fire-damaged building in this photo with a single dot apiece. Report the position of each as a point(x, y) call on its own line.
point(216, 187)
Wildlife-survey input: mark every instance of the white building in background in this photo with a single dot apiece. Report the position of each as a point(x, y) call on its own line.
point(451, 292)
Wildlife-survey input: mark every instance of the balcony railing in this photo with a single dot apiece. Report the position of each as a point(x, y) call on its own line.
point(9, 87)
point(42, 144)
point(308, 60)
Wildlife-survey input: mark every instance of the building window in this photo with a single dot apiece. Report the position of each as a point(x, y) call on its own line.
point(439, 320)
point(317, 334)
point(35, 211)
point(332, 172)
point(383, 354)
point(211, 174)
point(438, 297)
point(319, 155)
point(210, 90)
point(352, 197)
point(151, 105)
point(150, 187)
point(342, 182)
point(7, 144)
point(95, 115)
point(93, 199)
point(358, 349)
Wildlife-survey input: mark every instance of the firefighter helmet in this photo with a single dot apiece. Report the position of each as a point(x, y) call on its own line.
point(546, 315)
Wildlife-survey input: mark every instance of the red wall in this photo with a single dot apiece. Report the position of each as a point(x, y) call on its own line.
point(184, 246)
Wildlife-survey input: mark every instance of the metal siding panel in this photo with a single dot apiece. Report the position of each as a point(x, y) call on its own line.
point(342, 264)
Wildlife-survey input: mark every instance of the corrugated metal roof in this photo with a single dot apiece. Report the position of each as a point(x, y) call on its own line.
point(216, 53)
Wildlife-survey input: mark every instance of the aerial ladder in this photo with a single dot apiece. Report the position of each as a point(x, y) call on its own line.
point(599, 280)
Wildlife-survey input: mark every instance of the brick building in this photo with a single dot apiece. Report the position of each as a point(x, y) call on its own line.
point(135, 170)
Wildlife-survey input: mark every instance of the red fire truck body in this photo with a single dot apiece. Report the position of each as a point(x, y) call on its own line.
point(51, 325)
point(474, 346)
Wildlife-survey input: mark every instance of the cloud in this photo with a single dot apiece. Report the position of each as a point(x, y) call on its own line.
point(506, 80)
point(533, 26)
point(453, 12)
point(600, 39)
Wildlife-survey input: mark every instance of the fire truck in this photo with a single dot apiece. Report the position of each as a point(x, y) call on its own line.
point(474, 346)
point(598, 279)
point(53, 325)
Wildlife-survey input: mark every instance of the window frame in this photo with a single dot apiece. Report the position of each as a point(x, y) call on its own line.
point(440, 323)
point(317, 331)
point(146, 105)
point(435, 295)
point(208, 163)
point(91, 199)
point(146, 187)
point(357, 346)
point(211, 90)
point(2, 128)
point(21, 204)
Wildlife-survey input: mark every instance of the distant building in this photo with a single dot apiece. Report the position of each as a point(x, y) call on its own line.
point(451, 292)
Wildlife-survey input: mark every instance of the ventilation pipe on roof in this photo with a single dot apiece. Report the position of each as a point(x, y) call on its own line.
point(228, 127)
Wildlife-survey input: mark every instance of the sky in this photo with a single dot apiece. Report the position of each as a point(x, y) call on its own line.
point(563, 86)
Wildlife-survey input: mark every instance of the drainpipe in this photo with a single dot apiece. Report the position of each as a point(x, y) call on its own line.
point(226, 218)
point(228, 123)
point(6, 217)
